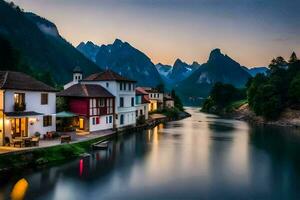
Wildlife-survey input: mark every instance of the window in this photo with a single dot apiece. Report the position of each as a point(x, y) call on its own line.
point(136, 113)
point(97, 120)
point(129, 86)
point(94, 120)
point(19, 98)
point(110, 119)
point(47, 120)
point(141, 112)
point(107, 120)
point(102, 102)
point(121, 86)
point(122, 119)
point(109, 106)
point(44, 98)
point(132, 101)
point(107, 84)
point(94, 106)
point(121, 101)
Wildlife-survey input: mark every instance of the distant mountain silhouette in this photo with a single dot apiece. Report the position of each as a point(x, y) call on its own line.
point(219, 68)
point(256, 70)
point(176, 73)
point(124, 59)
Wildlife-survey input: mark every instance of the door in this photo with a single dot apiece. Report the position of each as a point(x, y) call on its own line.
point(81, 123)
point(19, 127)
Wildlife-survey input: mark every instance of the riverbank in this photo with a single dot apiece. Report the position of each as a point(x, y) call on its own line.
point(288, 118)
point(47, 156)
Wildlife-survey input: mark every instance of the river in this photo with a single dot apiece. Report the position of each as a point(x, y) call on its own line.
point(201, 157)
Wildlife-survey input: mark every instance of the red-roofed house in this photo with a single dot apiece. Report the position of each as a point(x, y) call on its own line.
point(92, 103)
point(123, 89)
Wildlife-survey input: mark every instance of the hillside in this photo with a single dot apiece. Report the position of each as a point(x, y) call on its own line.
point(38, 40)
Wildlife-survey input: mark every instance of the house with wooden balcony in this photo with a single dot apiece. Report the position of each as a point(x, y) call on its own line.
point(121, 88)
point(93, 104)
point(27, 107)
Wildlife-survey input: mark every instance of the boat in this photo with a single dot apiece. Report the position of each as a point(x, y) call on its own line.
point(100, 145)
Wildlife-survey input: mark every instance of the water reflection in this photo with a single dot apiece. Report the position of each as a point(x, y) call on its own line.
point(199, 157)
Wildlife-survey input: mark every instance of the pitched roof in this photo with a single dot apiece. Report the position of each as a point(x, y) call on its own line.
point(21, 81)
point(145, 99)
point(168, 98)
point(85, 90)
point(140, 91)
point(150, 90)
point(107, 75)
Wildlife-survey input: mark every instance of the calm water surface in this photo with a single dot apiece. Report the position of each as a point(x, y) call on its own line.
point(202, 157)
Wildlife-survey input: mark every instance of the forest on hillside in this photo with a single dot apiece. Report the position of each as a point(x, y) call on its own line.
point(267, 95)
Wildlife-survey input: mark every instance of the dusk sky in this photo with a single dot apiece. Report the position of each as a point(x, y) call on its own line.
point(250, 31)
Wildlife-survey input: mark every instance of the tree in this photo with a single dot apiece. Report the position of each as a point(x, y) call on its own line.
point(221, 96)
point(9, 57)
point(161, 87)
point(177, 102)
point(293, 58)
point(294, 90)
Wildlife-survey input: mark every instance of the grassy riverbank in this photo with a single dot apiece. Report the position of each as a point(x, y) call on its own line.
point(32, 158)
point(47, 155)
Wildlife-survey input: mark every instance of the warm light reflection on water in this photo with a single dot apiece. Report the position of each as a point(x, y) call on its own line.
point(202, 157)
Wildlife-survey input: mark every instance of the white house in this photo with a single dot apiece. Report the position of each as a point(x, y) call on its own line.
point(27, 106)
point(122, 89)
point(142, 103)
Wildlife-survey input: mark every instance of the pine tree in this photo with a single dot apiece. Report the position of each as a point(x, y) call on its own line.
point(293, 58)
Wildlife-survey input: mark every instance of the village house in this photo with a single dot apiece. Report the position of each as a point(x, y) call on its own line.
point(27, 108)
point(93, 105)
point(168, 101)
point(121, 88)
point(155, 98)
point(142, 103)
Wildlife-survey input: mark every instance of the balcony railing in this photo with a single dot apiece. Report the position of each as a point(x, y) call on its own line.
point(18, 107)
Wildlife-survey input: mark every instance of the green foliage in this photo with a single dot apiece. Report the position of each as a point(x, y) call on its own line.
point(171, 112)
point(141, 120)
point(42, 52)
point(161, 87)
point(177, 101)
point(221, 96)
point(269, 95)
point(294, 89)
point(61, 104)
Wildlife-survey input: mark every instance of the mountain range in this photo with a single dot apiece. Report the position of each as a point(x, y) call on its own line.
point(45, 50)
point(218, 68)
point(40, 43)
point(178, 72)
point(124, 59)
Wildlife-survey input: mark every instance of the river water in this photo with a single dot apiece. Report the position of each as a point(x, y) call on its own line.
point(201, 157)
